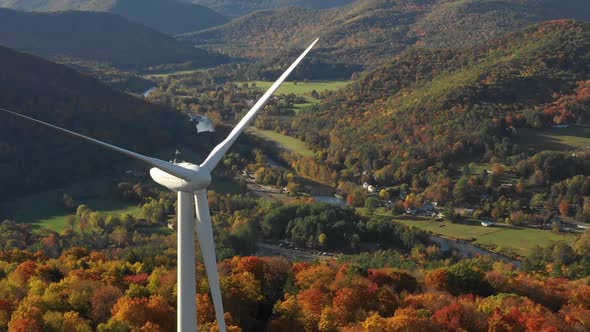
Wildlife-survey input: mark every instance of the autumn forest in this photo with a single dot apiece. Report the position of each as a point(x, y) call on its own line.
point(425, 168)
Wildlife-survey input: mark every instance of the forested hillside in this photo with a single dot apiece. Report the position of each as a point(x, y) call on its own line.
point(346, 33)
point(242, 7)
point(369, 31)
point(109, 272)
point(33, 158)
point(437, 107)
point(100, 37)
point(463, 23)
point(167, 16)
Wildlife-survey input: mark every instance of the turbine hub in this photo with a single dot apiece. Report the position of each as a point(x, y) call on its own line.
point(200, 180)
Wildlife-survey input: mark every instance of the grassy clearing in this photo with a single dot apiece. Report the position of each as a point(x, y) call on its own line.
point(310, 102)
point(479, 168)
point(521, 241)
point(302, 88)
point(226, 186)
point(46, 210)
point(286, 142)
point(503, 238)
point(571, 138)
point(457, 231)
point(174, 72)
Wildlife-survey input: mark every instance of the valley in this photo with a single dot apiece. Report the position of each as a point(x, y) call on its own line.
point(426, 167)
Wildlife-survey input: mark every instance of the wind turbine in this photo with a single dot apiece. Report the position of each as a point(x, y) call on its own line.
point(191, 180)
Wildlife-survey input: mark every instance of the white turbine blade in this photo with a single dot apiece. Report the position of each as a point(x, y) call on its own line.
point(219, 151)
point(205, 235)
point(167, 167)
point(186, 276)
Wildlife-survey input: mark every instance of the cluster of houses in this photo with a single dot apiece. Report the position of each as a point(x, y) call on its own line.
point(428, 209)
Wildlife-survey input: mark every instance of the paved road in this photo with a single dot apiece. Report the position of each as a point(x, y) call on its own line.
point(265, 249)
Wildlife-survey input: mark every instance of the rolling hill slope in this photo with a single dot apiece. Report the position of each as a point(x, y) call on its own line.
point(34, 158)
point(167, 16)
point(101, 37)
point(429, 106)
point(236, 8)
point(367, 32)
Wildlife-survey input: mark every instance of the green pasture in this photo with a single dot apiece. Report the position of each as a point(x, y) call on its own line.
point(501, 238)
point(226, 186)
point(301, 88)
point(165, 74)
point(286, 142)
point(557, 139)
point(46, 209)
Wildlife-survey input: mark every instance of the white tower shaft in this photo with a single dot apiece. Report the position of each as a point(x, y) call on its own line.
point(186, 313)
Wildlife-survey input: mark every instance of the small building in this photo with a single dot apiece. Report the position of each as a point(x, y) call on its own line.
point(411, 211)
point(487, 223)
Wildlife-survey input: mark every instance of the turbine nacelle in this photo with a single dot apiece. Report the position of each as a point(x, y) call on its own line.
point(200, 178)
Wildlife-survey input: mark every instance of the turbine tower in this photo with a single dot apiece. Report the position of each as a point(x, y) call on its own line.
point(191, 181)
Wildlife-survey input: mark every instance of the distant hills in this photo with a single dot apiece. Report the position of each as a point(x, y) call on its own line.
point(464, 23)
point(235, 8)
point(167, 16)
point(102, 37)
point(33, 158)
point(442, 106)
point(368, 32)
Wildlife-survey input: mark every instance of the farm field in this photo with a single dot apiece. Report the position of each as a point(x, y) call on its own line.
point(301, 88)
point(286, 142)
point(501, 238)
point(571, 138)
point(226, 186)
point(45, 210)
point(174, 72)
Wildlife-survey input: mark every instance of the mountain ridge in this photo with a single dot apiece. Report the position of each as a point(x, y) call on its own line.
point(368, 31)
point(439, 105)
point(98, 36)
point(236, 8)
point(61, 96)
point(167, 16)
